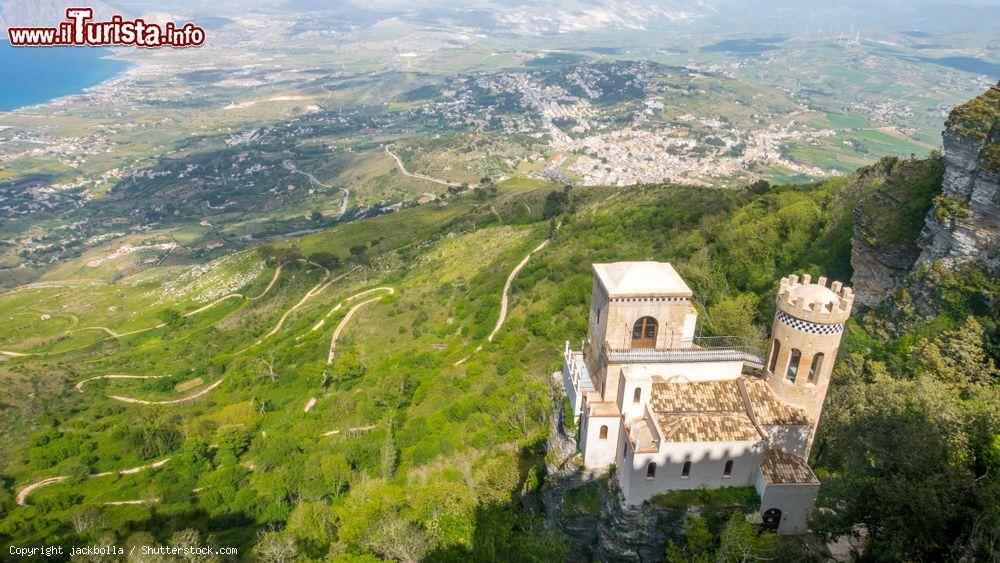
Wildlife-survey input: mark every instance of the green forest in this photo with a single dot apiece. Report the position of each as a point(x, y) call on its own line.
point(427, 441)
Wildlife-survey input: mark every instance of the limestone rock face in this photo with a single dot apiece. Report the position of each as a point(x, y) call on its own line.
point(887, 223)
point(617, 532)
point(877, 274)
point(964, 224)
point(902, 224)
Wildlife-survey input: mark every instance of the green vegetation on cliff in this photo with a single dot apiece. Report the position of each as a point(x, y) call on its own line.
point(427, 441)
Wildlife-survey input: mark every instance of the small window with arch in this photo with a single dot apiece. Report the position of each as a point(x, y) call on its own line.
point(637, 395)
point(686, 470)
point(651, 470)
point(775, 348)
point(793, 365)
point(727, 471)
point(603, 433)
point(817, 364)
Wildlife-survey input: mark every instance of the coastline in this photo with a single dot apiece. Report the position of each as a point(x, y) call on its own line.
point(127, 68)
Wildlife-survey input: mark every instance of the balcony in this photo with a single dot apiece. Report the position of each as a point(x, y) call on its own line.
point(700, 349)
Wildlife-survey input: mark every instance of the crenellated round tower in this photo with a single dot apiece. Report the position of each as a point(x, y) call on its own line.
point(805, 336)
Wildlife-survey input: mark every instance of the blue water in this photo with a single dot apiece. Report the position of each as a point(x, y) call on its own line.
point(32, 75)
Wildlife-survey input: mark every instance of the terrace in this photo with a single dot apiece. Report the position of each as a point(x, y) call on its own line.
point(698, 349)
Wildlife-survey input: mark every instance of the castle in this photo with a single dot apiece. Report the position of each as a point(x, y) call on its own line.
point(674, 411)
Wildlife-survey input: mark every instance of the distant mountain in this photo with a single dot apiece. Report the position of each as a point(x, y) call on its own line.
point(515, 16)
point(22, 13)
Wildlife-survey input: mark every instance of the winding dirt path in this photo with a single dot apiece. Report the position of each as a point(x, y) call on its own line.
point(402, 168)
point(350, 313)
point(171, 401)
point(112, 334)
point(202, 309)
point(79, 385)
point(506, 290)
point(22, 495)
point(316, 290)
point(348, 430)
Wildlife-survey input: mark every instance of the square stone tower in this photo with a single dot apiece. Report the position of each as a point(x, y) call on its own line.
point(635, 306)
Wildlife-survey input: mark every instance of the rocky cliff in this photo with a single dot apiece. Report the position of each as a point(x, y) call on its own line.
point(895, 198)
point(589, 508)
point(943, 210)
point(964, 224)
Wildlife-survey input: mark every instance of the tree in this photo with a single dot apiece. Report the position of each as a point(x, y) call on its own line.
point(170, 317)
point(358, 252)
point(555, 203)
point(77, 472)
point(913, 505)
point(134, 545)
point(313, 525)
point(316, 215)
point(957, 356)
point(275, 547)
point(326, 259)
point(388, 452)
point(759, 187)
point(189, 538)
point(698, 545)
point(739, 541)
point(265, 365)
point(87, 519)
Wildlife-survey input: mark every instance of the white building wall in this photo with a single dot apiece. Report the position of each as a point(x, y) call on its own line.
point(708, 460)
point(599, 453)
point(630, 409)
point(795, 502)
point(791, 438)
point(690, 322)
point(697, 371)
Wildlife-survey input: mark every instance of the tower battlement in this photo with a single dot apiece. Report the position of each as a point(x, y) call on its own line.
point(815, 302)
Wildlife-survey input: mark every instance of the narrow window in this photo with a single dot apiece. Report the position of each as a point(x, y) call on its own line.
point(775, 346)
point(604, 432)
point(637, 395)
point(651, 470)
point(793, 365)
point(728, 471)
point(817, 365)
point(686, 470)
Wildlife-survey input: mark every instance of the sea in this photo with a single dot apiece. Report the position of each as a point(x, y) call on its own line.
point(34, 75)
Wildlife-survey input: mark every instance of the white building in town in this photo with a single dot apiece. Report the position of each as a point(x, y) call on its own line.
point(674, 411)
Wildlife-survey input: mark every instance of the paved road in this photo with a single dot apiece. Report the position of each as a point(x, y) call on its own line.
point(402, 168)
point(289, 165)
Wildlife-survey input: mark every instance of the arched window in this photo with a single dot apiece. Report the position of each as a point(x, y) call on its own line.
point(651, 470)
point(686, 470)
point(728, 470)
point(604, 432)
point(644, 333)
point(637, 395)
point(775, 346)
point(793, 365)
point(817, 365)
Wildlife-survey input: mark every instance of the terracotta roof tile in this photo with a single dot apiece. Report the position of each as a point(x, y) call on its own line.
point(702, 411)
point(708, 427)
point(781, 467)
point(768, 408)
point(697, 396)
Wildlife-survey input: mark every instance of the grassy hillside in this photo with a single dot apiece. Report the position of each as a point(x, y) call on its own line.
point(420, 439)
